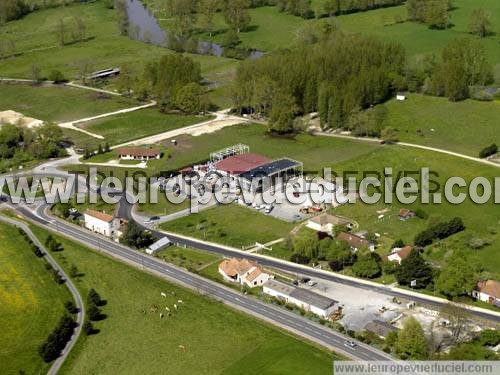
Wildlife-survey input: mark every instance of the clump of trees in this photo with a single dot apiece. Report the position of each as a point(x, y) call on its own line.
point(480, 23)
point(53, 245)
point(434, 13)
point(51, 348)
point(19, 144)
point(136, 237)
point(12, 10)
point(34, 248)
point(439, 231)
point(411, 343)
point(336, 7)
point(320, 77)
point(300, 8)
point(414, 269)
point(457, 277)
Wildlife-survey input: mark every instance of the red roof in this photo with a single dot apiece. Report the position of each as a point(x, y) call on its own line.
point(241, 163)
point(139, 152)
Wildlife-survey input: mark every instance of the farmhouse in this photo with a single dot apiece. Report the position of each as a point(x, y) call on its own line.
point(101, 223)
point(243, 271)
point(380, 328)
point(325, 223)
point(303, 298)
point(488, 291)
point(355, 242)
point(251, 169)
point(398, 254)
point(137, 153)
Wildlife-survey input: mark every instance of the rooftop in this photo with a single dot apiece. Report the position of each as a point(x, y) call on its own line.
point(353, 240)
point(238, 164)
point(270, 168)
point(380, 327)
point(490, 287)
point(99, 215)
point(233, 267)
point(303, 295)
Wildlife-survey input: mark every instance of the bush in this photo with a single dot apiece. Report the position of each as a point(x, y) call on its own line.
point(421, 214)
point(57, 76)
point(488, 151)
point(88, 328)
point(94, 313)
point(299, 258)
point(71, 307)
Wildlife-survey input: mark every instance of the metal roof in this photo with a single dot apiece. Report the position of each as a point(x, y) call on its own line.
point(270, 168)
point(162, 242)
point(303, 295)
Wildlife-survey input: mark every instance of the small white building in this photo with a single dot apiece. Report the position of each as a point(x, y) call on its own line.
point(303, 298)
point(243, 271)
point(101, 223)
point(137, 153)
point(158, 245)
point(488, 291)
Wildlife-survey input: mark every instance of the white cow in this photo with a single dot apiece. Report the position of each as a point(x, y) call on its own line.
point(163, 295)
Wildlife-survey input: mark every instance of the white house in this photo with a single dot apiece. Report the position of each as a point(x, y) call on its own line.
point(303, 298)
point(398, 254)
point(137, 153)
point(325, 223)
point(488, 291)
point(102, 223)
point(243, 271)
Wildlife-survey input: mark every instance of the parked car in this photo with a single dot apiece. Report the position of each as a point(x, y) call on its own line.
point(268, 209)
point(312, 283)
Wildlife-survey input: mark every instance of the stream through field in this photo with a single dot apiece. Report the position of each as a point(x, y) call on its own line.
point(144, 26)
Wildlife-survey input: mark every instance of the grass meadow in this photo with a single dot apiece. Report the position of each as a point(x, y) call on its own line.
point(217, 225)
point(465, 127)
point(215, 337)
point(58, 103)
point(31, 304)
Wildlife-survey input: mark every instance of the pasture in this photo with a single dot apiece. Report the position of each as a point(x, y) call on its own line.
point(202, 336)
point(31, 304)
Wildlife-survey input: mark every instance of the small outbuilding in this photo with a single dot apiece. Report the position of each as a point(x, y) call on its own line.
point(380, 328)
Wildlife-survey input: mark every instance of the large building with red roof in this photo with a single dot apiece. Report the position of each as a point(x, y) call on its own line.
point(238, 164)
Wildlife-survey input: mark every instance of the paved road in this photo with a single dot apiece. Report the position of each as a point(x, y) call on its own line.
point(80, 316)
point(270, 313)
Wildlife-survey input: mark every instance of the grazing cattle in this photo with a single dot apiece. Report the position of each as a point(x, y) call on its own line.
point(166, 308)
point(164, 295)
point(161, 316)
point(175, 306)
point(179, 301)
point(182, 347)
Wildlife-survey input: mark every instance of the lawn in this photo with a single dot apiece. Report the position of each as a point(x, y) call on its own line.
point(214, 336)
point(163, 206)
point(104, 48)
point(129, 126)
point(31, 304)
point(465, 127)
point(417, 38)
point(58, 103)
point(481, 221)
point(218, 225)
point(193, 260)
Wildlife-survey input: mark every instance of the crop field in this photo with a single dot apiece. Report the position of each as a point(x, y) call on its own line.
point(58, 103)
point(214, 337)
point(31, 304)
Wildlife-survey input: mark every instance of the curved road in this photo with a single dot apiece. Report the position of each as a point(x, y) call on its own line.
point(270, 313)
point(80, 316)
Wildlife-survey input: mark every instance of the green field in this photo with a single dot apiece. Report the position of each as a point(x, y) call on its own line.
point(215, 337)
point(58, 103)
point(218, 225)
point(465, 127)
point(139, 124)
point(481, 221)
point(190, 259)
point(105, 47)
point(31, 304)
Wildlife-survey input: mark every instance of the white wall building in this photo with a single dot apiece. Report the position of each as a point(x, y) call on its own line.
point(303, 298)
point(101, 223)
point(488, 291)
point(243, 271)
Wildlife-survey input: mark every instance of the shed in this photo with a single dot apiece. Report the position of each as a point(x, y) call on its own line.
point(158, 245)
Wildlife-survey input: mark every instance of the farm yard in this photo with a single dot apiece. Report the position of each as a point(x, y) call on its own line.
point(216, 342)
point(31, 304)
